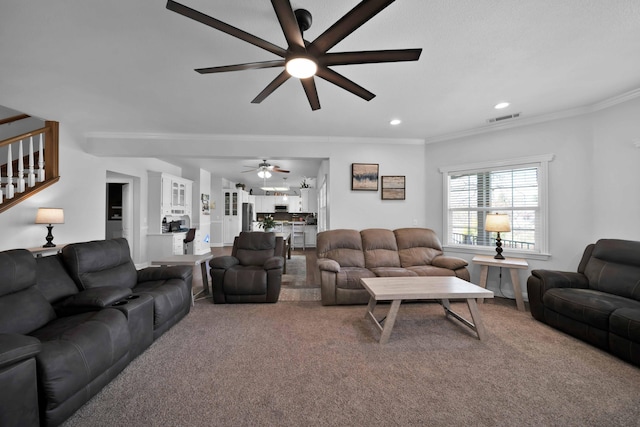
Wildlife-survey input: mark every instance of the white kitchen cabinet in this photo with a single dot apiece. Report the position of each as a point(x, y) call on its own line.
point(265, 204)
point(168, 195)
point(309, 202)
point(232, 210)
point(295, 204)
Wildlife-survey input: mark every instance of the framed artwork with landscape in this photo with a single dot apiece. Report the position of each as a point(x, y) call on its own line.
point(393, 187)
point(364, 176)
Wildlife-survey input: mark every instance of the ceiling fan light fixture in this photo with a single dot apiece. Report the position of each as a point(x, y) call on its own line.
point(264, 174)
point(301, 67)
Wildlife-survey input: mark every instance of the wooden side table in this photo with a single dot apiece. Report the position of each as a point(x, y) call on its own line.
point(195, 261)
point(513, 264)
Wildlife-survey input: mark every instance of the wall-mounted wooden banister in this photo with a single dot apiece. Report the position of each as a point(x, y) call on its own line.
point(50, 168)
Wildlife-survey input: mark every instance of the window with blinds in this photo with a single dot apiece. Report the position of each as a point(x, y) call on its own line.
point(516, 188)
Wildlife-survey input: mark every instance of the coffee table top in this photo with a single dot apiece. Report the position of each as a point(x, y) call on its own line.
point(422, 287)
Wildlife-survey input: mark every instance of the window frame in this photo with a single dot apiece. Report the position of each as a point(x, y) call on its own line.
point(542, 163)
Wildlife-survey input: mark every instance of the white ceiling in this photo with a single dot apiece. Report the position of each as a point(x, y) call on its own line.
point(127, 66)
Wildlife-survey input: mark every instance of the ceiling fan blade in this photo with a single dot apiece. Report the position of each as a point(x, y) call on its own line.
point(309, 86)
point(370, 57)
point(289, 24)
point(277, 169)
point(225, 28)
point(275, 84)
point(240, 67)
point(344, 26)
point(343, 82)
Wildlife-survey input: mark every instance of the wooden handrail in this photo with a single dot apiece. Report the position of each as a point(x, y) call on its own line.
point(14, 119)
point(51, 153)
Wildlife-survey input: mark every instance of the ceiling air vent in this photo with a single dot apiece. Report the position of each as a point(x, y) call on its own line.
point(503, 118)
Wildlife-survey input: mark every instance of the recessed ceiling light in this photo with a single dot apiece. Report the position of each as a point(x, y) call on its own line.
point(395, 122)
point(501, 105)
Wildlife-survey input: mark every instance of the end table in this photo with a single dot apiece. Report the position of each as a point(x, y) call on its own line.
point(513, 264)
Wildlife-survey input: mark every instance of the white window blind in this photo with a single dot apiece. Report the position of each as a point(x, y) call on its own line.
point(517, 188)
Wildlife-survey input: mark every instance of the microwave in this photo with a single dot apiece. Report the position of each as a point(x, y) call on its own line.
point(281, 208)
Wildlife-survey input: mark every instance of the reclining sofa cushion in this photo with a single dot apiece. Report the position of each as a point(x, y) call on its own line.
point(381, 253)
point(614, 268)
point(105, 263)
point(588, 306)
point(100, 263)
point(417, 246)
point(23, 308)
point(343, 246)
point(420, 251)
point(624, 339)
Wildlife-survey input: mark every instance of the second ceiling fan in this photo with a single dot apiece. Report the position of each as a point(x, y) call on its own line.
point(313, 57)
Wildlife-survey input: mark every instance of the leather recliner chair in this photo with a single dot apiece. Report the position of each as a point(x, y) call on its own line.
point(253, 271)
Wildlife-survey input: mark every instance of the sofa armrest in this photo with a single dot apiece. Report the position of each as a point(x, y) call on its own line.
point(450, 262)
point(560, 279)
point(540, 281)
point(100, 297)
point(224, 262)
point(164, 273)
point(15, 348)
point(274, 263)
point(327, 264)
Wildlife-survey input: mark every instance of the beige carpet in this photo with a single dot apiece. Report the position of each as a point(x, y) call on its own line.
point(302, 364)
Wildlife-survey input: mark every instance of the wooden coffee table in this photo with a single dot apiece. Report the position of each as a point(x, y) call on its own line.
point(396, 289)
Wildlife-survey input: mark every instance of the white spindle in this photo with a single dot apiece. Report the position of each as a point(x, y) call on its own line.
point(31, 177)
point(9, 188)
point(20, 180)
point(40, 162)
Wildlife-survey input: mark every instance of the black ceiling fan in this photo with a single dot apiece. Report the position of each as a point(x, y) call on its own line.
point(313, 54)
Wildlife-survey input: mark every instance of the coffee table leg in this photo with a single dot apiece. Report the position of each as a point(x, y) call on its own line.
point(370, 307)
point(389, 321)
point(477, 320)
point(476, 323)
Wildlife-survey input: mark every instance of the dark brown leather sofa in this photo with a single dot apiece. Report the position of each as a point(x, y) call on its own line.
point(346, 256)
point(600, 303)
point(62, 341)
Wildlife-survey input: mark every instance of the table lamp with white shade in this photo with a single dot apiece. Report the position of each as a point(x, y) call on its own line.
point(50, 216)
point(497, 223)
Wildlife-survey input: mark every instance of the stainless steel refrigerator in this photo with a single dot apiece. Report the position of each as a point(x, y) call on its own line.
point(247, 217)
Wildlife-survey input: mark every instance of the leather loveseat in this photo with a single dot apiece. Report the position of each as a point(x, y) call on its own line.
point(600, 303)
point(61, 343)
point(346, 256)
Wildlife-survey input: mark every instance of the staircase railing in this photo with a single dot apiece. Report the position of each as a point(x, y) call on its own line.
point(28, 164)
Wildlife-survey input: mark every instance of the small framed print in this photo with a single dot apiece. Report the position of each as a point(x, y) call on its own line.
point(393, 187)
point(364, 176)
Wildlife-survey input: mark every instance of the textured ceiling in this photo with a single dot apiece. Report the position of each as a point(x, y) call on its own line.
point(101, 66)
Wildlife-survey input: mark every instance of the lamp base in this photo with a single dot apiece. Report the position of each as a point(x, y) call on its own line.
point(49, 238)
point(498, 247)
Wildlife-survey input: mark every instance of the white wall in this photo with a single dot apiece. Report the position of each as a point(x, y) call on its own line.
point(594, 179)
point(81, 192)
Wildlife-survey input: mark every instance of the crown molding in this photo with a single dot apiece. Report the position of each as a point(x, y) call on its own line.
point(227, 138)
point(526, 121)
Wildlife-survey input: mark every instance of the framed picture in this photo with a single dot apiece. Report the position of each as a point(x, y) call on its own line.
point(393, 187)
point(205, 203)
point(364, 176)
